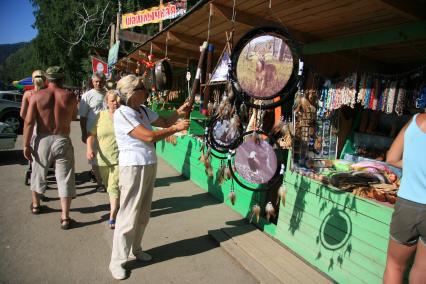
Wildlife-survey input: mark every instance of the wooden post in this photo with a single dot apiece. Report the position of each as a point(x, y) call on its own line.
point(196, 83)
point(112, 38)
point(208, 77)
point(117, 29)
point(161, 23)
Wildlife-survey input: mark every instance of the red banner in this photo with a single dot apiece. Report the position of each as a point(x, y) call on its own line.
point(99, 66)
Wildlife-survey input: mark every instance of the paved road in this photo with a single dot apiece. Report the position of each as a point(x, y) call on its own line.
point(33, 248)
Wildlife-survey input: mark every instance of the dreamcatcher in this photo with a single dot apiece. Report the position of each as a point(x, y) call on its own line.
point(264, 72)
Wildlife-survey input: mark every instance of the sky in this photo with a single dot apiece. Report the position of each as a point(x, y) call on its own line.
point(16, 18)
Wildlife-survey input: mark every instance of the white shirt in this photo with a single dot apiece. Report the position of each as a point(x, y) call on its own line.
point(132, 151)
point(92, 102)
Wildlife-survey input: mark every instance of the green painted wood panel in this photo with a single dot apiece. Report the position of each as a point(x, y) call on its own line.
point(402, 33)
point(184, 157)
point(343, 235)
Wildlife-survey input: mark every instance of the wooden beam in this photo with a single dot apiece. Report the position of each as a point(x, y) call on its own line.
point(407, 9)
point(132, 36)
point(175, 50)
point(252, 20)
point(397, 34)
point(194, 41)
point(241, 17)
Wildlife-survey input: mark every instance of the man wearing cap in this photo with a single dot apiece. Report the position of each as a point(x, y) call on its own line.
point(52, 109)
point(91, 103)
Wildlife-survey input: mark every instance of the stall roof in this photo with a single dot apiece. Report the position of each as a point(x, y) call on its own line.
point(390, 31)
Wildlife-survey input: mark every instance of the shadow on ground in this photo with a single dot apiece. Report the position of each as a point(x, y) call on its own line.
point(173, 250)
point(12, 157)
point(166, 181)
point(182, 203)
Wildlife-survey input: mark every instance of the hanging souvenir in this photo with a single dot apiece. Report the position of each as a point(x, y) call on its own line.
point(265, 65)
point(256, 166)
point(162, 75)
point(255, 212)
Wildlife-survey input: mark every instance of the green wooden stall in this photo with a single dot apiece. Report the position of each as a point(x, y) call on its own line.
point(342, 235)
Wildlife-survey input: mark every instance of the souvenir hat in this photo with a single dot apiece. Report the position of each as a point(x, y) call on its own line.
point(55, 72)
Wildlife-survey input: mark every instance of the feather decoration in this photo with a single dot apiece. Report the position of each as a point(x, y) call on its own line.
point(277, 129)
point(235, 122)
point(281, 194)
point(227, 173)
point(209, 171)
point(255, 212)
point(202, 156)
point(232, 197)
point(243, 112)
point(270, 211)
point(210, 108)
point(256, 137)
point(220, 176)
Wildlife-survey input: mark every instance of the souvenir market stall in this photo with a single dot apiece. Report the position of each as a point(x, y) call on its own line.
point(322, 133)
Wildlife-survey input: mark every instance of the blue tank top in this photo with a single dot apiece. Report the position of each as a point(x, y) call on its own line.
point(413, 182)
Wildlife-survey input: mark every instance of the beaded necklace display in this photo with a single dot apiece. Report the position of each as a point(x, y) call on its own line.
point(375, 92)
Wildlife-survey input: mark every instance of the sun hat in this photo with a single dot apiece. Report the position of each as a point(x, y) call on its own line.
point(55, 72)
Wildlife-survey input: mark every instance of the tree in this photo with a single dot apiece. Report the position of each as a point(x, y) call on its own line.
point(67, 30)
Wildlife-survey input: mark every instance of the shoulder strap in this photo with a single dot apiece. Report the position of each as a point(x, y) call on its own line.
point(146, 113)
point(125, 118)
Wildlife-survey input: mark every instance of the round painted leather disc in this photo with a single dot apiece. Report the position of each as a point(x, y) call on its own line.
point(264, 66)
point(224, 134)
point(256, 162)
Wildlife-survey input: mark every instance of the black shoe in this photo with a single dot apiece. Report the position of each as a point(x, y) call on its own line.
point(101, 188)
point(92, 177)
point(43, 198)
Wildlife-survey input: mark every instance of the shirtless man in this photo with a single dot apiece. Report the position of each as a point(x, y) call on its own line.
point(52, 109)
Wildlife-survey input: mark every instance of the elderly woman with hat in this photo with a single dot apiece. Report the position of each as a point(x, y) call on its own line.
point(137, 167)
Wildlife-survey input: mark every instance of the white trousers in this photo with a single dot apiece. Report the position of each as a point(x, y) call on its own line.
point(136, 185)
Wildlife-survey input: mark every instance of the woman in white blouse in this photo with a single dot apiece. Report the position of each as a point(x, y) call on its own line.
point(138, 166)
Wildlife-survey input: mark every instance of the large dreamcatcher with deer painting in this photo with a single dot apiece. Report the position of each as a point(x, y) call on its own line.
point(263, 73)
point(245, 132)
point(265, 67)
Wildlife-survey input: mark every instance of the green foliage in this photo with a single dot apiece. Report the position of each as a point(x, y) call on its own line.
point(8, 49)
point(63, 38)
point(20, 64)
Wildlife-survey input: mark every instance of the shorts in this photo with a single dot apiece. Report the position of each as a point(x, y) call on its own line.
point(109, 175)
point(408, 223)
point(58, 149)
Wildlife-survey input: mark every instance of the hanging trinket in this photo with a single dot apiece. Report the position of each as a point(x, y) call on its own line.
point(232, 197)
point(220, 176)
point(230, 91)
point(235, 123)
point(227, 173)
point(207, 163)
point(270, 211)
point(243, 112)
point(202, 156)
point(210, 108)
point(255, 212)
point(281, 194)
point(399, 108)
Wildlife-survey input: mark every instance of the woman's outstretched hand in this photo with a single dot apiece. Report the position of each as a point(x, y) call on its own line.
point(184, 109)
point(181, 125)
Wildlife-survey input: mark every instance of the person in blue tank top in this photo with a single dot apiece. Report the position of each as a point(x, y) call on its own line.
point(408, 225)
